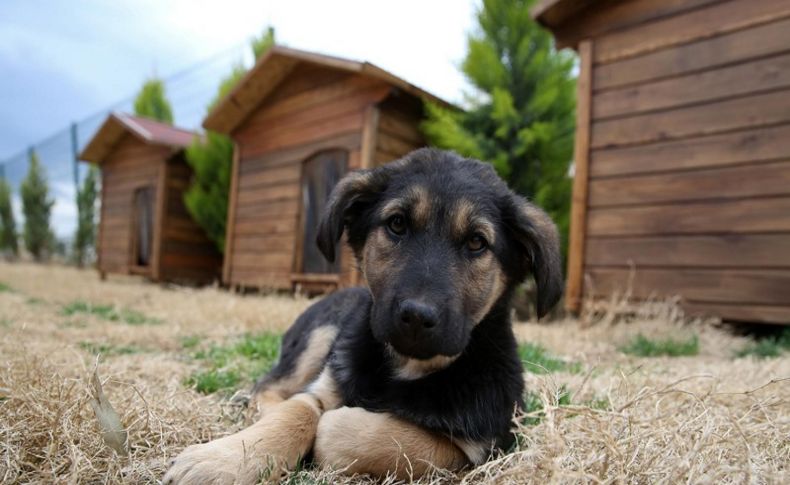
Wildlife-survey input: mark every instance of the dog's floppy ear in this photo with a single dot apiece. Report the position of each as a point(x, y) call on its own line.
point(354, 193)
point(537, 234)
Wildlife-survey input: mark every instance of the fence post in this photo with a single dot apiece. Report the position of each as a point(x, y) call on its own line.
point(75, 154)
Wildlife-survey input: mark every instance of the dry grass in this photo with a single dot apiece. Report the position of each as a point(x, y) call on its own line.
point(710, 418)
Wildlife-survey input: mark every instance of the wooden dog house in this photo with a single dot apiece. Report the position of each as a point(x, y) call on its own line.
point(682, 158)
point(145, 228)
point(300, 121)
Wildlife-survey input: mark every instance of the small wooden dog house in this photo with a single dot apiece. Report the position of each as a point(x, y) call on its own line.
point(682, 155)
point(300, 121)
point(145, 228)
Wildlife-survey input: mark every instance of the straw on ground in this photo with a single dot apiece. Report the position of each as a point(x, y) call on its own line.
point(594, 413)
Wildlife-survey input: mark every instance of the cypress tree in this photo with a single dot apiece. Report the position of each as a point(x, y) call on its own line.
point(8, 234)
point(151, 102)
point(37, 208)
point(522, 112)
point(211, 159)
point(85, 235)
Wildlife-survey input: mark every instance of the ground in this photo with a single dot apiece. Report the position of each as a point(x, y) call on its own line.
point(176, 364)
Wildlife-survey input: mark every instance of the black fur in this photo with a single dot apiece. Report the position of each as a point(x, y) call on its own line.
point(474, 397)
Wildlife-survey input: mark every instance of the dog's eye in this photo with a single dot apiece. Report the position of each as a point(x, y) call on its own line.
point(476, 243)
point(397, 225)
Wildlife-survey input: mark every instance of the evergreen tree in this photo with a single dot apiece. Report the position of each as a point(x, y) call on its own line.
point(211, 159)
point(85, 236)
point(151, 102)
point(8, 235)
point(37, 207)
point(522, 116)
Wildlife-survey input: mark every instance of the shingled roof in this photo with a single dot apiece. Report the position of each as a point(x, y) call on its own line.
point(275, 66)
point(149, 131)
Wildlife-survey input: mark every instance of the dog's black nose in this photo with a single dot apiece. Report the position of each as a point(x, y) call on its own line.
point(417, 315)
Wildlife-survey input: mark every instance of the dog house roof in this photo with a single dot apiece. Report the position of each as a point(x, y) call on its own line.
point(275, 66)
point(553, 13)
point(149, 131)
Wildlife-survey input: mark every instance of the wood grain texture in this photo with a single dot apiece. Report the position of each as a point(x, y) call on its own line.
point(187, 254)
point(303, 116)
point(230, 225)
point(755, 180)
point(715, 19)
point(764, 287)
point(706, 251)
point(131, 165)
point(607, 16)
point(741, 79)
point(732, 216)
point(733, 114)
point(707, 151)
point(740, 312)
point(739, 46)
point(581, 154)
point(370, 132)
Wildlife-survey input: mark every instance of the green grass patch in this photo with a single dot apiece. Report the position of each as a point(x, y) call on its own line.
point(644, 347)
point(5, 322)
point(5, 288)
point(109, 313)
point(225, 367)
point(190, 341)
point(537, 360)
point(533, 405)
point(33, 301)
point(213, 380)
point(767, 347)
point(108, 349)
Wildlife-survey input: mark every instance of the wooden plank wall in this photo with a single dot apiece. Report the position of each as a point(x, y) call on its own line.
point(690, 159)
point(399, 131)
point(186, 254)
point(312, 110)
point(132, 164)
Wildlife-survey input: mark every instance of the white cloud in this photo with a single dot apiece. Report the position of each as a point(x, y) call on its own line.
point(64, 213)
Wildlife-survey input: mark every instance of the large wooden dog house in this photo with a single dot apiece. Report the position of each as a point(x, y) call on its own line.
point(682, 151)
point(145, 228)
point(300, 121)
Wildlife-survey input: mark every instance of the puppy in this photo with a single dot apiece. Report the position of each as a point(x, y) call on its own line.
point(420, 368)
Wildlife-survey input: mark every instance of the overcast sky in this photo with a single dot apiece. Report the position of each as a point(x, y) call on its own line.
point(66, 60)
point(62, 61)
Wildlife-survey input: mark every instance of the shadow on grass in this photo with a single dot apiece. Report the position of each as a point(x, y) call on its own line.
point(767, 346)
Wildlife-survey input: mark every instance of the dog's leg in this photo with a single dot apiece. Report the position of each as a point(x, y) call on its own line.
point(299, 365)
point(360, 441)
point(263, 451)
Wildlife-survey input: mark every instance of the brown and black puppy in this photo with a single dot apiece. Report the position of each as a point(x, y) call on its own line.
point(420, 369)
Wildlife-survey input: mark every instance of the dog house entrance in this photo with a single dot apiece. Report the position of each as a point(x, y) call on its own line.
point(142, 227)
point(320, 174)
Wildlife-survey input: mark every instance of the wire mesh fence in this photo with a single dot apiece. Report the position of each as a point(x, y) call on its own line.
point(189, 92)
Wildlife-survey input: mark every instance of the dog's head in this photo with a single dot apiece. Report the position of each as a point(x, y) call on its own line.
point(440, 240)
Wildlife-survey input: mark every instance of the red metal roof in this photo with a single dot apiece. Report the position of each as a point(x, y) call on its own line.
point(157, 132)
point(149, 131)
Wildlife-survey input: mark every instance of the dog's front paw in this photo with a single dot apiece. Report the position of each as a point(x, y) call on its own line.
point(228, 460)
point(262, 452)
